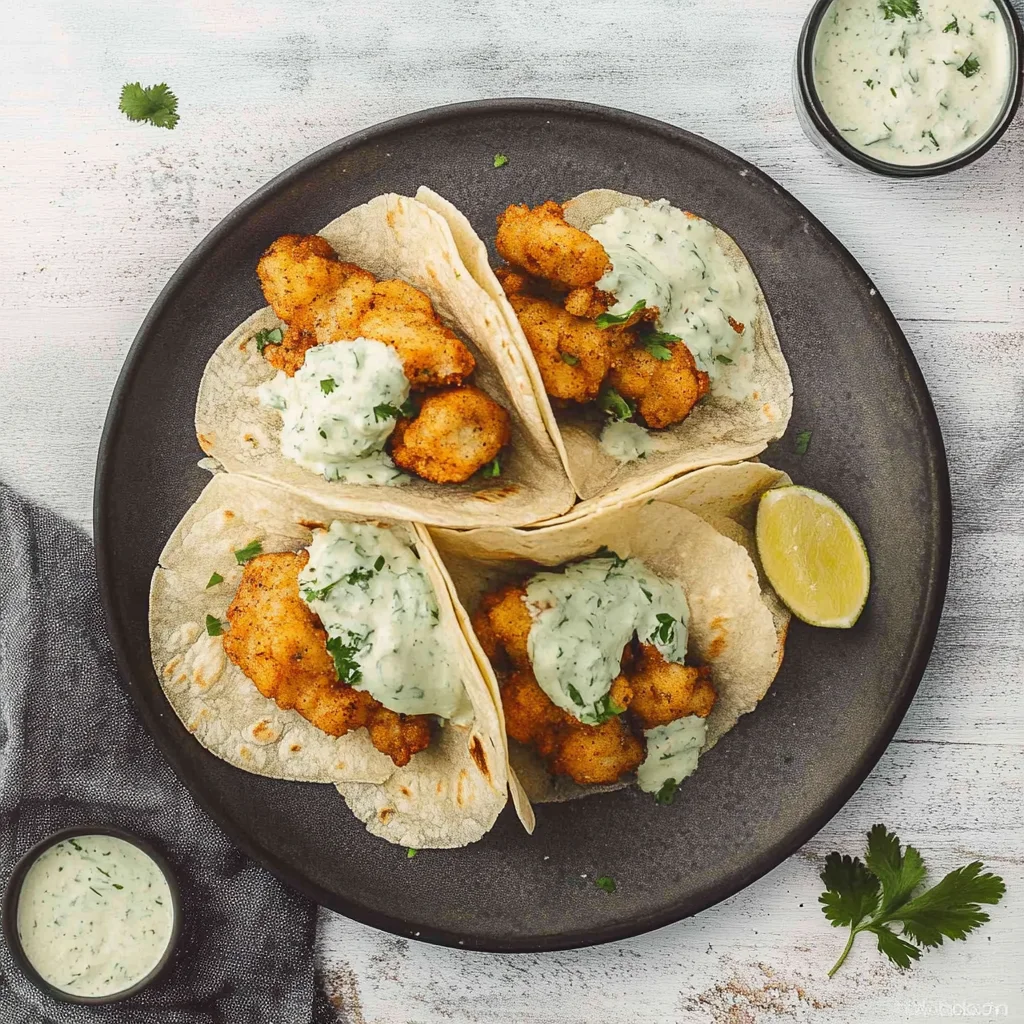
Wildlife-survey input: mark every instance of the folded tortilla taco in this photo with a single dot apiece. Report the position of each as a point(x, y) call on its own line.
point(382, 378)
point(302, 643)
point(645, 335)
point(626, 642)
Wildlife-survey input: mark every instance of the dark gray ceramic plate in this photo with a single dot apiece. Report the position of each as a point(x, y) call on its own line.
point(784, 770)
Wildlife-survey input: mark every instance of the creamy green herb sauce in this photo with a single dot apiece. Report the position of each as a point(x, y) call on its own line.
point(585, 615)
point(381, 614)
point(917, 89)
point(339, 409)
point(625, 441)
point(94, 915)
point(672, 752)
point(674, 261)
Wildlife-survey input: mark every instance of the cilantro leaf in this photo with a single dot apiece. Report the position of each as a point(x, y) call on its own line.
point(604, 709)
point(656, 349)
point(899, 873)
point(953, 26)
point(379, 564)
point(250, 551)
point(500, 159)
point(268, 337)
point(723, 359)
point(869, 82)
point(568, 358)
point(327, 386)
point(155, 104)
point(410, 853)
point(891, 9)
point(667, 793)
point(612, 403)
point(214, 580)
point(971, 66)
point(319, 595)
point(575, 696)
point(214, 627)
point(606, 882)
point(385, 411)
point(614, 319)
point(851, 890)
point(665, 631)
point(493, 468)
point(871, 897)
point(344, 655)
point(803, 439)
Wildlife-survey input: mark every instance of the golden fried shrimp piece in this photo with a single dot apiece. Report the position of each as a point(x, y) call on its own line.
point(456, 432)
point(542, 243)
point(296, 271)
point(664, 691)
point(277, 641)
point(588, 302)
point(338, 315)
point(513, 281)
point(621, 692)
point(403, 317)
point(530, 715)
point(509, 621)
point(665, 390)
point(291, 353)
point(587, 753)
point(485, 634)
point(573, 354)
point(593, 754)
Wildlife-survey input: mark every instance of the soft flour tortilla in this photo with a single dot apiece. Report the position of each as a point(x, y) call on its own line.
point(737, 624)
point(719, 430)
point(395, 236)
point(448, 795)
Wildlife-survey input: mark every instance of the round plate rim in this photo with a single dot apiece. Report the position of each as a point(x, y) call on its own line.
point(739, 880)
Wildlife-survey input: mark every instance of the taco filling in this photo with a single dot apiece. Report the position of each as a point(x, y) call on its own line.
point(644, 314)
point(345, 632)
point(592, 666)
point(351, 351)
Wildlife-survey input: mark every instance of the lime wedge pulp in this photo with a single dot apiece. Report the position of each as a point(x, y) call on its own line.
point(813, 555)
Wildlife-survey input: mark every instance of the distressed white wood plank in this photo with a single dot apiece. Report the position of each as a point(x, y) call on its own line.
point(97, 213)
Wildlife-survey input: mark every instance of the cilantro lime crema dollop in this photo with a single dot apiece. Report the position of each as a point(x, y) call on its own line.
point(912, 81)
point(373, 597)
point(585, 615)
point(664, 257)
point(340, 408)
point(672, 752)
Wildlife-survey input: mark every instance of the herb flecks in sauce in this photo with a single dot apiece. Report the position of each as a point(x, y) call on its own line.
point(943, 72)
point(336, 410)
point(665, 258)
point(380, 611)
point(672, 752)
point(94, 915)
point(585, 615)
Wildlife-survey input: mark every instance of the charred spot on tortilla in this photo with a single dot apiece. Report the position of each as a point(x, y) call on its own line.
point(479, 755)
point(295, 748)
point(496, 494)
point(206, 442)
point(385, 814)
point(405, 791)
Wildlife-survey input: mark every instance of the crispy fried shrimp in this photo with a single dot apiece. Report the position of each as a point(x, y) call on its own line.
point(587, 302)
point(665, 390)
point(542, 243)
point(573, 354)
point(664, 691)
point(592, 754)
point(485, 634)
point(291, 353)
point(509, 621)
point(295, 272)
point(530, 715)
point(338, 315)
point(456, 432)
point(280, 644)
point(513, 281)
point(403, 317)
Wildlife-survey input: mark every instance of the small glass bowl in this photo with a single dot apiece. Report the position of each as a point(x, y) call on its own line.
point(12, 896)
point(816, 123)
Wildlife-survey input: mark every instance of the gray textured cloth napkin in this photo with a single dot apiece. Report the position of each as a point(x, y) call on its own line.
point(73, 752)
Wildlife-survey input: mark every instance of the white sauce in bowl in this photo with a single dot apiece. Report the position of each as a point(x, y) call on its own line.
point(915, 87)
point(95, 915)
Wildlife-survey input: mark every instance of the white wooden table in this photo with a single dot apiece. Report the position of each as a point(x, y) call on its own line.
point(96, 213)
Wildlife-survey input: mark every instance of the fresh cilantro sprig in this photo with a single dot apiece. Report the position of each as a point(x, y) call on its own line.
point(891, 9)
point(155, 104)
point(344, 655)
point(272, 336)
point(970, 67)
point(614, 405)
point(614, 319)
point(872, 895)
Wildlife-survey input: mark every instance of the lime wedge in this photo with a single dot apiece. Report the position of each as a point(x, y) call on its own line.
point(813, 555)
